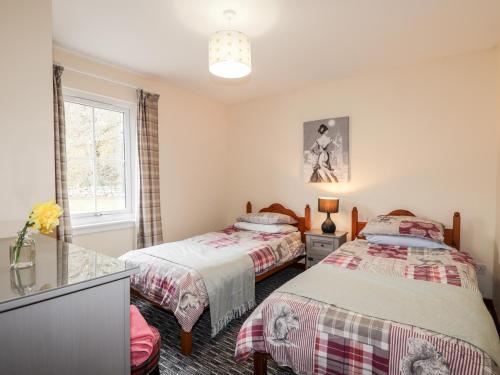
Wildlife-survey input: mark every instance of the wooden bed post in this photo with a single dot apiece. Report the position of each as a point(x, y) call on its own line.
point(456, 230)
point(307, 215)
point(186, 342)
point(354, 225)
point(249, 207)
point(260, 363)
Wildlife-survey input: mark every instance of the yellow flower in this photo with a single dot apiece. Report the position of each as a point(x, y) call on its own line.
point(45, 216)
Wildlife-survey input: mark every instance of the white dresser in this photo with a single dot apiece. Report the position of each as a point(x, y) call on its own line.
point(69, 314)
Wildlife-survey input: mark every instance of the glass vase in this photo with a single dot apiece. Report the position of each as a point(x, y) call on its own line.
point(22, 281)
point(23, 256)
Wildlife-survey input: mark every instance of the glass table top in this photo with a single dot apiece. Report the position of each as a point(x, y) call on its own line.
point(57, 265)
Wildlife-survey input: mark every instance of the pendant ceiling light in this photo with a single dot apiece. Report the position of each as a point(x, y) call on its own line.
point(229, 54)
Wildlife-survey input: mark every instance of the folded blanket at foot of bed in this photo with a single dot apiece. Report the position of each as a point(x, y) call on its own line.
point(446, 309)
point(228, 274)
point(377, 309)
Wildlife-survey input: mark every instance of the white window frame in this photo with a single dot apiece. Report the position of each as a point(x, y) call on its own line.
point(109, 220)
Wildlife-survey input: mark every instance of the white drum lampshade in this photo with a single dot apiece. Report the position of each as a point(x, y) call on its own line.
point(229, 54)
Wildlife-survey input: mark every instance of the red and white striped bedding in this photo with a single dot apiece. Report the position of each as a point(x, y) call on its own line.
point(320, 338)
point(181, 289)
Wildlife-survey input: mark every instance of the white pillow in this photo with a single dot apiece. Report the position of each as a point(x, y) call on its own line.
point(267, 228)
point(406, 241)
point(267, 218)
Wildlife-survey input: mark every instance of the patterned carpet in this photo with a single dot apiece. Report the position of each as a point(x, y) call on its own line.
point(210, 356)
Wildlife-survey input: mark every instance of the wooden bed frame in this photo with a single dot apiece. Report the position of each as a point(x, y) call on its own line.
point(451, 238)
point(303, 224)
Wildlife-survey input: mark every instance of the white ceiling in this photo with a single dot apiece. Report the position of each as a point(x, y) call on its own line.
point(294, 42)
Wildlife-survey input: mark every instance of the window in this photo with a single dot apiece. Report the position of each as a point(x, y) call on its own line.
point(99, 140)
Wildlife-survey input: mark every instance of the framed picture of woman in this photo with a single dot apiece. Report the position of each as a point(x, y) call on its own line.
point(326, 150)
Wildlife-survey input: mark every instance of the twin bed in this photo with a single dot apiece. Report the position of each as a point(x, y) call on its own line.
point(174, 285)
point(368, 308)
point(378, 309)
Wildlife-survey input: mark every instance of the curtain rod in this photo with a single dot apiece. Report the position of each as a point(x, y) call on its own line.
point(100, 77)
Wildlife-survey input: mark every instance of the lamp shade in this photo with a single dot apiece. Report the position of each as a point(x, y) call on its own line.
point(229, 54)
point(327, 204)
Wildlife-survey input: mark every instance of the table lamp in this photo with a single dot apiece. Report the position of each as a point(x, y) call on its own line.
point(330, 206)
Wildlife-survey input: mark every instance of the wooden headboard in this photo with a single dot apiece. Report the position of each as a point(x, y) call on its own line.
point(303, 222)
point(451, 236)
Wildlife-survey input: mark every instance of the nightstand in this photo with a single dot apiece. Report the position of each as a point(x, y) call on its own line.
point(319, 245)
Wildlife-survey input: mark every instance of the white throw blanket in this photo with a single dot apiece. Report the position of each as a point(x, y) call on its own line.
point(447, 309)
point(227, 272)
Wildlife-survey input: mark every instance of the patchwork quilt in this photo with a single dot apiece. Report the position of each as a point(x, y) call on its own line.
point(182, 290)
point(313, 337)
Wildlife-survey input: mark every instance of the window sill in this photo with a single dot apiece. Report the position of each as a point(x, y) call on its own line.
point(102, 227)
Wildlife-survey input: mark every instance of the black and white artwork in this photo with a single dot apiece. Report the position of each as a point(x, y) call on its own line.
point(326, 150)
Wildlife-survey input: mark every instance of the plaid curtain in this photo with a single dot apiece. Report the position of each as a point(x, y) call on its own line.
point(149, 231)
point(64, 232)
point(62, 263)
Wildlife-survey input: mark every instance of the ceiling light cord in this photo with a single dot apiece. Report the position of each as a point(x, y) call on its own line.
point(229, 14)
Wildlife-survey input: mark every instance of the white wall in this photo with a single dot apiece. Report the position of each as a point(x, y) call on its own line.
point(422, 138)
point(193, 147)
point(26, 121)
point(113, 242)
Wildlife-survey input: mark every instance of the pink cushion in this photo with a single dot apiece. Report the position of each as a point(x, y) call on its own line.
point(141, 337)
point(152, 361)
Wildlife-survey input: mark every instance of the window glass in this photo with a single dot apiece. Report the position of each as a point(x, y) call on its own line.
point(98, 167)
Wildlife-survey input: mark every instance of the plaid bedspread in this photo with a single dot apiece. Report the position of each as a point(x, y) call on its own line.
point(312, 337)
point(182, 291)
